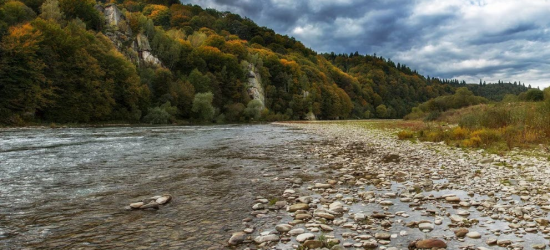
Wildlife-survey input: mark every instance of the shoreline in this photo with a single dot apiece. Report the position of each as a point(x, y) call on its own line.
point(375, 191)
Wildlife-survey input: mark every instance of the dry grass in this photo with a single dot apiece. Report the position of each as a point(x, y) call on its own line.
point(497, 126)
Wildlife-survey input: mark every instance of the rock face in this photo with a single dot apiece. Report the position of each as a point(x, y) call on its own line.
point(120, 33)
point(144, 50)
point(255, 88)
point(113, 16)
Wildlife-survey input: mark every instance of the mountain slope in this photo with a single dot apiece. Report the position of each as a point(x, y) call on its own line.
point(145, 60)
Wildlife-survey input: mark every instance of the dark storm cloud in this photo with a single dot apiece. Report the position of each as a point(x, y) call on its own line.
point(490, 39)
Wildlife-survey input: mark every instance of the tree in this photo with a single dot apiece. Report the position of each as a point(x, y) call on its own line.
point(202, 106)
point(50, 11)
point(20, 72)
point(161, 115)
point(199, 81)
point(33, 4)
point(254, 109)
point(84, 10)
point(15, 12)
point(534, 95)
point(381, 111)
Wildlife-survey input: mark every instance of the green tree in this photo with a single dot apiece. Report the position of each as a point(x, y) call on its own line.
point(161, 115)
point(20, 72)
point(15, 12)
point(84, 10)
point(254, 109)
point(202, 106)
point(33, 4)
point(534, 95)
point(382, 111)
point(199, 81)
point(50, 11)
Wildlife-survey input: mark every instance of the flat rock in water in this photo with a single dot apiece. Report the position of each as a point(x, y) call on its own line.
point(473, 235)
point(456, 218)
point(283, 227)
point(322, 185)
point(325, 216)
point(426, 226)
point(382, 236)
point(137, 205)
point(266, 238)
point(296, 231)
point(305, 236)
point(237, 238)
point(164, 199)
point(461, 232)
point(150, 205)
point(326, 228)
point(452, 199)
point(298, 206)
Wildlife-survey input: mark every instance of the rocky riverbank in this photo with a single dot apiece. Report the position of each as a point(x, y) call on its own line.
point(372, 191)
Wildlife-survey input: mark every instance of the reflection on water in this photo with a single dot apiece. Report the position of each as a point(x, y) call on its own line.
point(66, 188)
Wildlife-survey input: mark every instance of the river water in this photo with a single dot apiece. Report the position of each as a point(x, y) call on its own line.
point(67, 188)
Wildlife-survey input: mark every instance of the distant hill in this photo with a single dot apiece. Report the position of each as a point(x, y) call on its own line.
point(158, 61)
point(497, 91)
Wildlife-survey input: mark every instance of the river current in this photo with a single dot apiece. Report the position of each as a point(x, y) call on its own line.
point(67, 188)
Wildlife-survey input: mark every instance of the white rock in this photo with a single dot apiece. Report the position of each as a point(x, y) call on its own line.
point(473, 235)
point(305, 236)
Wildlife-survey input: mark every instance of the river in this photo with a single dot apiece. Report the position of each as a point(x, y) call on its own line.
point(67, 188)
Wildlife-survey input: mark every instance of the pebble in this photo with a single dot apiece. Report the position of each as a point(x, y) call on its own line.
point(473, 235)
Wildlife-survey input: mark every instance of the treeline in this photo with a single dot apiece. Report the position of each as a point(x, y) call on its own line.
point(432, 109)
point(380, 88)
point(497, 91)
point(161, 61)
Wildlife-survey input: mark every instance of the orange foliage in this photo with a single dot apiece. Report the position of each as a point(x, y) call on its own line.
point(155, 10)
point(22, 39)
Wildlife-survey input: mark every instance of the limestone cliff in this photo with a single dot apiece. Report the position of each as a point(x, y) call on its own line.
point(137, 47)
point(254, 87)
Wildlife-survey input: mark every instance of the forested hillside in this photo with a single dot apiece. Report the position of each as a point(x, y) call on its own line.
point(160, 61)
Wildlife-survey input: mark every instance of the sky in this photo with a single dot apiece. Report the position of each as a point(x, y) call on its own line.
point(493, 40)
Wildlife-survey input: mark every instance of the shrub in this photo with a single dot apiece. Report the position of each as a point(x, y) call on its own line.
point(473, 142)
point(432, 116)
point(487, 136)
point(161, 115)
point(157, 115)
point(496, 117)
point(459, 133)
point(435, 136)
point(405, 134)
point(534, 95)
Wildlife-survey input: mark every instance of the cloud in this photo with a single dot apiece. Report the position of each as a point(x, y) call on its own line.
point(493, 40)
